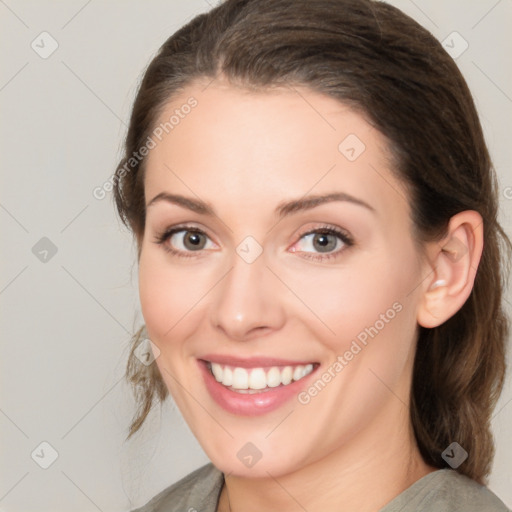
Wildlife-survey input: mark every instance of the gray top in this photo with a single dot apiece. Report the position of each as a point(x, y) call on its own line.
point(443, 490)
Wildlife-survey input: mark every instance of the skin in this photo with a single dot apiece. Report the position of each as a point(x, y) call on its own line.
point(244, 153)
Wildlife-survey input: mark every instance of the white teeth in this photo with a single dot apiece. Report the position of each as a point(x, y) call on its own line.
point(240, 378)
point(298, 373)
point(217, 372)
point(258, 379)
point(227, 379)
point(273, 377)
point(286, 375)
point(254, 379)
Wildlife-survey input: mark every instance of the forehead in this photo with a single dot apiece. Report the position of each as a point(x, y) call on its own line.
point(252, 149)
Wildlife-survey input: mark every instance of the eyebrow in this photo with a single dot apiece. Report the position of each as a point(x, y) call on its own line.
point(195, 205)
point(283, 209)
point(312, 201)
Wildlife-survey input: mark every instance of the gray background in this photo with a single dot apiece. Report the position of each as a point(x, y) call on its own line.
point(66, 317)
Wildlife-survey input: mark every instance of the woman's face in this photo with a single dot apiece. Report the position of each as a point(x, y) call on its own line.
point(278, 246)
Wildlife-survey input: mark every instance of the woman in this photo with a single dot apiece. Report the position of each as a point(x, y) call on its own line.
point(320, 262)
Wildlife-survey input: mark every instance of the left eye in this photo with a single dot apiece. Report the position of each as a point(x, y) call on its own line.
point(321, 242)
point(187, 240)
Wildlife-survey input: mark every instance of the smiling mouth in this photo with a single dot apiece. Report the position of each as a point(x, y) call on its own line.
point(258, 379)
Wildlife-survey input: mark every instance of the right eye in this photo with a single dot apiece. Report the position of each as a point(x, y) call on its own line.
point(183, 240)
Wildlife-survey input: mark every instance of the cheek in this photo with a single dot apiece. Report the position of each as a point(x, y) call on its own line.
point(166, 294)
point(370, 308)
point(367, 298)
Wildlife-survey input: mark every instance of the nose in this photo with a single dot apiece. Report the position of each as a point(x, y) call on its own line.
point(247, 301)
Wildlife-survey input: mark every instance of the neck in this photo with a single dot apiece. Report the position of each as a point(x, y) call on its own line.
point(362, 475)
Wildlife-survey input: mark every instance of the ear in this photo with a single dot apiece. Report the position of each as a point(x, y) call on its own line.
point(454, 261)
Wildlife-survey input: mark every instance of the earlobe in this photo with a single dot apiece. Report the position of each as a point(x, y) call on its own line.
point(454, 261)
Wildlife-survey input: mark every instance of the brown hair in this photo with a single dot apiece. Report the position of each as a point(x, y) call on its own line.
point(372, 57)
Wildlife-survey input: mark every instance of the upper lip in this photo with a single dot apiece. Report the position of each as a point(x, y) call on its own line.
point(252, 362)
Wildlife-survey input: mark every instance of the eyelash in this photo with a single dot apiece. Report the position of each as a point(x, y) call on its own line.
point(347, 240)
point(161, 238)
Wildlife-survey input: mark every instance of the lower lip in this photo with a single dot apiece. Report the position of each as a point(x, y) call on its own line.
point(254, 404)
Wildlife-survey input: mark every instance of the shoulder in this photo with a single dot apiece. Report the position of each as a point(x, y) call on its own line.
point(197, 492)
point(446, 490)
